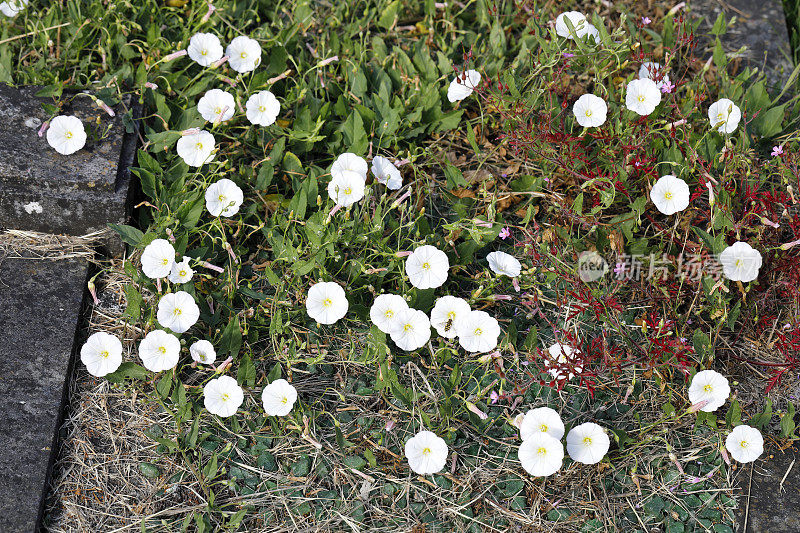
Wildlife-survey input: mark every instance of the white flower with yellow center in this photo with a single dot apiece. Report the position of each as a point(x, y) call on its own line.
point(223, 198)
point(386, 173)
point(541, 420)
point(278, 398)
point(578, 21)
point(590, 111)
point(724, 116)
point(66, 134)
point(411, 329)
point(244, 54)
point(385, 310)
point(222, 396)
point(102, 354)
point(426, 453)
point(711, 387)
point(670, 194)
point(541, 455)
point(478, 332)
point(326, 302)
point(740, 262)
point(447, 314)
point(745, 443)
point(177, 311)
point(159, 350)
point(349, 162)
point(181, 272)
point(587, 443)
point(203, 352)
point(216, 106)
point(204, 49)
point(561, 353)
point(463, 85)
point(642, 96)
point(262, 108)
point(157, 259)
point(346, 188)
point(427, 267)
point(196, 149)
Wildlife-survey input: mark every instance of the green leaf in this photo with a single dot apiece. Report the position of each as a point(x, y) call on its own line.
point(734, 415)
point(720, 25)
point(231, 339)
point(760, 420)
point(787, 423)
point(128, 234)
point(54, 90)
point(389, 15)
point(354, 461)
point(164, 386)
point(354, 135)
point(128, 370)
point(135, 301)
point(149, 470)
point(769, 123)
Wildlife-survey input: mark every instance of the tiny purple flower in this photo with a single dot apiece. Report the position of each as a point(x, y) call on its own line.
point(667, 88)
point(646, 21)
point(567, 54)
point(494, 397)
point(619, 269)
point(505, 233)
point(777, 150)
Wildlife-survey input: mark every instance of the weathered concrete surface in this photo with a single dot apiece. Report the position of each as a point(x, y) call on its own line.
point(40, 304)
point(42, 190)
point(760, 25)
point(774, 503)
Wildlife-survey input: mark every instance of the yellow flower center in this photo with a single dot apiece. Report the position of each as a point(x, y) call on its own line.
point(162, 349)
point(225, 397)
point(744, 444)
point(203, 52)
point(284, 400)
point(587, 441)
point(177, 312)
point(182, 273)
point(68, 135)
point(243, 55)
point(708, 388)
point(104, 354)
point(721, 116)
point(165, 261)
point(426, 266)
point(221, 198)
point(738, 262)
point(543, 427)
point(451, 315)
point(327, 302)
point(389, 313)
point(426, 451)
point(262, 108)
point(478, 331)
point(408, 327)
point(348, 191)
point(667, 196)
point(641, 98)
point(541, 451)
point(217, 110)
point(588, 112)
point(198, 146)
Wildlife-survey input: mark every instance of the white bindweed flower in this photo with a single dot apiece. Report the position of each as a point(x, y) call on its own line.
point(745, 443)
point(278, 398)
point(578, 21)
point(411, 329)
point(447, 314)
point(12, 8)
point(159, 350)
point(590, 111)
point(181, 272)
point(244, 54)
point(724, 116)
point(504, 264)
point(222, 396)
point(561, 353)
point(262, 108)
point(670, 194)
point(204, 49)
point(541, 455)
point(196, 149)
point(157, 259)
point(102, 354)
point(711, 387)
point(66, 134)
point(642, 96)
point(216, 106)
point(177, 311)
point(587, 443)
point(223, 198)
point(426, 453)
point(346, 188)
point(541, 420)
point(740, 262)
point(463, 85)
point(203, 352)
point(478, 332)
point(326, 302)
point(653, 71)
point(349, 162)
point(427, 267)
point(385, 309)
point(386, 173)
point(592, 33)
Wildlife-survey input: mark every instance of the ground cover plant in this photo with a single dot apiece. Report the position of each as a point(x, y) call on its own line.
point(433, 266)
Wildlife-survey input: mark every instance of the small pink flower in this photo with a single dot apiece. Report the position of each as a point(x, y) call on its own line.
point(389, 425)
point(567, 54)
point(494, 397)
point(175, 55)
point(405, 253)
point(208, 14)
point(474, 409)
point(777, 150)
point(505, 233)
point(667, 88)
point(151, 85)
point(646, 21)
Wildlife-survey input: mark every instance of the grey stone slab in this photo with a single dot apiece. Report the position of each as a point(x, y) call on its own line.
point(759, 25)
point(774, 502)
point(42, 190)
point(40, 305)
